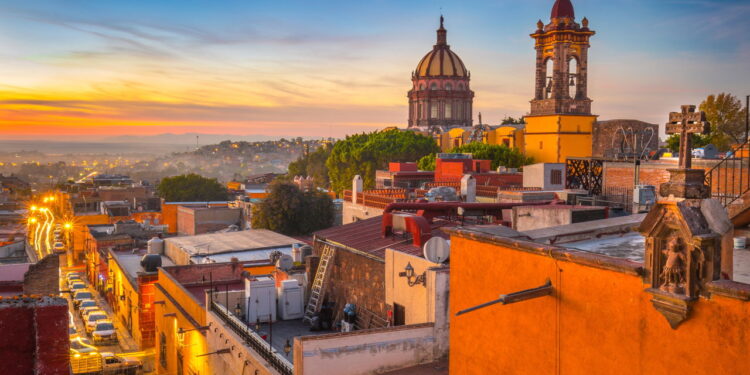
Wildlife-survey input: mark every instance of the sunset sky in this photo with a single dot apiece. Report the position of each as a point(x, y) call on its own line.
point(90, 69)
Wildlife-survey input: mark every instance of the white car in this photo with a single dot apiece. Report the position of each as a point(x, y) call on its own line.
point(80, 296)
point(59, 246)
point(77, 286)
point(87, 303)
point(92, 318)
point(104, 331)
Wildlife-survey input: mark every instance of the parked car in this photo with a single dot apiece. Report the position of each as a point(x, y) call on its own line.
point(104, 331)
point(81, 345)
point(59, 246)
point(92, 318)
point(121, 365)
point(85, 311)
point(76, 286)
point(80, 296)
point(87, 303)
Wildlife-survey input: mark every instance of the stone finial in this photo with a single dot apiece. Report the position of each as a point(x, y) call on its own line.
point(585, 22)
point(540, 25)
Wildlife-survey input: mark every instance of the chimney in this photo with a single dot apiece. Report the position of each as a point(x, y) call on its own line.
point(469, 188)
point(356, 187)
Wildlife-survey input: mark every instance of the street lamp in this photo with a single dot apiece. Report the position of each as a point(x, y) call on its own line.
point(237, 310)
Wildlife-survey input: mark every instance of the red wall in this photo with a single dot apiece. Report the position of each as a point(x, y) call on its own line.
point(34, 336)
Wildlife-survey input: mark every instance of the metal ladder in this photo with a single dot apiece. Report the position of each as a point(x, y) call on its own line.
point(318, 286)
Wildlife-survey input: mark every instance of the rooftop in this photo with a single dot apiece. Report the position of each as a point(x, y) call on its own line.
point(366, 236)
point(219, 243)
point(130, 263)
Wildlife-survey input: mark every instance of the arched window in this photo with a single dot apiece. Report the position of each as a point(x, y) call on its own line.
point(434, 110)
point(448, 86)
point(572, 82)
point(433, 86)
point(421, 86)
point(448, 109)
point(460, 87)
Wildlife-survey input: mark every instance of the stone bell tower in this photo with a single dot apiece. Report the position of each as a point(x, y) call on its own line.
point(560, 122)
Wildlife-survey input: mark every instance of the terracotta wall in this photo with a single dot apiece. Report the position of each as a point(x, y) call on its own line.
point(599, 321)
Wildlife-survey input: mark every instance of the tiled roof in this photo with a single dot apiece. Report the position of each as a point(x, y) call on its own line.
point(365, 236)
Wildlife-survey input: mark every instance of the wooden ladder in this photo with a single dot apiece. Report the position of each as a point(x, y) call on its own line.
point(318, 286)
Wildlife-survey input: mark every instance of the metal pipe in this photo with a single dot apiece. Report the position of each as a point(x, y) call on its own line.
point(523, 295)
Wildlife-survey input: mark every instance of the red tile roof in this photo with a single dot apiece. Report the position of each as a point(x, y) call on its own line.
point(365, 236)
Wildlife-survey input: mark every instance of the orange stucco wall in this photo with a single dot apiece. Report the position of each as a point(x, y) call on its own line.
point(598, 321)
point(169, 213)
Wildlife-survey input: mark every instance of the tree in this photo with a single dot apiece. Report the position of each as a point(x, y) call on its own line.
point(673, 141)
point(512, 120)
point(427, 163)
point(312, 165)
point(727, 117)
point(363, 154)
point(290, 211)
point(190, 188)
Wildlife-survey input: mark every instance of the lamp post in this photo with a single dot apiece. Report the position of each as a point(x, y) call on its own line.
point(287, 348)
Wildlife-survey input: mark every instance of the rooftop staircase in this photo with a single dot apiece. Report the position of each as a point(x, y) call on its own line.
point(729, 182)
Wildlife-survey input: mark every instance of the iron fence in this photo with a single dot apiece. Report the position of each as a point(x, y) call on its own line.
point(278, 362)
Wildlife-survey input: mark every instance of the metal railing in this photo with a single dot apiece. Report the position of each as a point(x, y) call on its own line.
point(729, 179)
point(252, 339)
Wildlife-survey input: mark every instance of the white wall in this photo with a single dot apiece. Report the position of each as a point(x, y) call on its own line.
point(352, 212)
point(364, 352)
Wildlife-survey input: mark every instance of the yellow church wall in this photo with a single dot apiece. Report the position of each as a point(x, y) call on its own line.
point(552, 139)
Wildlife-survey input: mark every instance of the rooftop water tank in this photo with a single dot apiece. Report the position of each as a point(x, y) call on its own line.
point(155, 246)
point(151, 262)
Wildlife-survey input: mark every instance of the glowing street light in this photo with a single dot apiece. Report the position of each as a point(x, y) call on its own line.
point(68, 226)
point(32, 220)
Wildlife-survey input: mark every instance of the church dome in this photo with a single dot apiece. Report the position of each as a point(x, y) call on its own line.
point(562, 9)
point(441, 61)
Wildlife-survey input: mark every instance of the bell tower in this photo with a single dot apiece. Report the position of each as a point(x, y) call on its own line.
point(560, 122)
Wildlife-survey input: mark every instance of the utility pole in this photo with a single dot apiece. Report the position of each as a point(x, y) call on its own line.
point(747, 117)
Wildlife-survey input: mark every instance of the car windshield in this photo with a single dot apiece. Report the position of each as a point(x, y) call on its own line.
point(79, 286)
point(96, 316)
point(105, 327)
point(88, 304)
point(83, 295)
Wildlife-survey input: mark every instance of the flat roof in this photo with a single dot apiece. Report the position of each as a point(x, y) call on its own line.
point(630, 246)
point(131, 263)
point(228, 242)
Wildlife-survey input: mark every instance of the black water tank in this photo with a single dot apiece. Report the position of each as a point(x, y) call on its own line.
point(151, 262)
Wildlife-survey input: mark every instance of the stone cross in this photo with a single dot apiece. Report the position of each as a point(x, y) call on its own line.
point(686, 123)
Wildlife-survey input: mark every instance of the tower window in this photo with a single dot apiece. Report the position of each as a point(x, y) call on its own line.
point(433, 86)
point(448, 86)
point(448, 110)
point(433, 110)
point(421, 86)
point(460, 86)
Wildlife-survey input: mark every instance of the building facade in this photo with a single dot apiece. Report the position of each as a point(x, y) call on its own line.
point(440, 94)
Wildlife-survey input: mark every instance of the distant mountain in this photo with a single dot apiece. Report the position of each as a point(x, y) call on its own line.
point(188, 138)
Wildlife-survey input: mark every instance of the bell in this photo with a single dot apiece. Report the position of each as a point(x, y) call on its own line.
point(572, 82)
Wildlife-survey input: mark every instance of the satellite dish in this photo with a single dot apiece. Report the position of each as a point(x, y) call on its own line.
point(285, 262)
point(437, 250)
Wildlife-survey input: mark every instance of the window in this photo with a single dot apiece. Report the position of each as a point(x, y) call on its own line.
point(433, 110)
point(399, 314)
point(433, 86)
point(421, 86)
point(506, 142)
point(163, 351)
point(448, 86)
point(555, 177)
point(448, 110)
point(460, 87)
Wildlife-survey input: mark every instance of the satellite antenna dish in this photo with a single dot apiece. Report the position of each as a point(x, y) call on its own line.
point(285, 262)
point(437, 250)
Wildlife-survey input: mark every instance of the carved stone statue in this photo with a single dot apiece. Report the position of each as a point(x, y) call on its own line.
point(673, 273)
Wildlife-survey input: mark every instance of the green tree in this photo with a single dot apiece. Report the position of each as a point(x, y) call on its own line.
point(290, 211)
point(191, 187)
point(673, 141)
point(512, 120)
point(726, 114)
point(363, 154)
point(426, 163)
point(313, 165)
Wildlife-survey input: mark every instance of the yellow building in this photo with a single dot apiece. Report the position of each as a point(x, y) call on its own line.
point(560, 122)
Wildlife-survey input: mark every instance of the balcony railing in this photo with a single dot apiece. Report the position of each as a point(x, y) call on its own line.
point(252, 339)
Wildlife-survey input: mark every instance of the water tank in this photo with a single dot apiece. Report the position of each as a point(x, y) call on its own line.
point(156, 246)
point(296, 253)
point(290, 300)
point(151, 262)
point(261, 299)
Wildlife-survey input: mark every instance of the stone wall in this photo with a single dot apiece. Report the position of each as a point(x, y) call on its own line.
point(613, 138)
point(356, 279)
point(43, 278)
